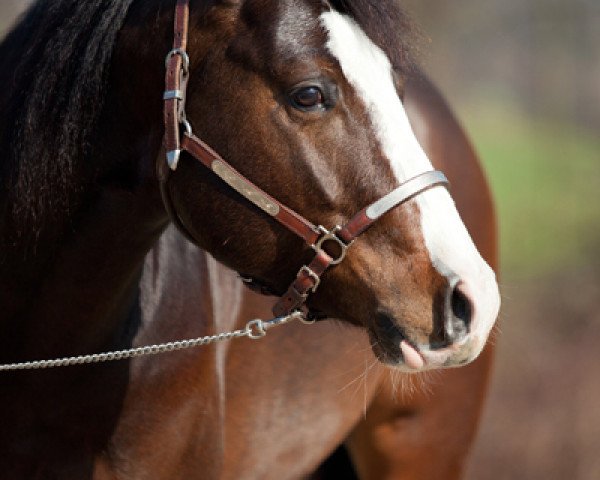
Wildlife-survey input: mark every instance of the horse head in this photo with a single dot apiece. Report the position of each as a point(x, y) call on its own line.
point(304, 98)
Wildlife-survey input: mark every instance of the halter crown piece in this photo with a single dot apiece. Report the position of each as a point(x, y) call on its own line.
point(340, 238)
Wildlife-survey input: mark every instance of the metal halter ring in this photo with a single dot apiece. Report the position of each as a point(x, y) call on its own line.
point(255, 329)
point(332, 236)
point(184, 57)
point(188, 127)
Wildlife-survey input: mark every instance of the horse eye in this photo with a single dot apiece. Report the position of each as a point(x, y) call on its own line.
point(308, 98)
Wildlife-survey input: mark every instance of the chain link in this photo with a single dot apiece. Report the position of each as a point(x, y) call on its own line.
point(255, 330)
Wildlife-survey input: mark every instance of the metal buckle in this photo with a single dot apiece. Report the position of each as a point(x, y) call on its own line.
point(173, 156)
point(331, 236)
point(312, 275)
point(184, 57)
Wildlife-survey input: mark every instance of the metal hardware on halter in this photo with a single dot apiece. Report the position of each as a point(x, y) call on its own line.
point(173, 94)
point(244, 187)
point(184, 57)
point(405, 191)
point(173, 159)
point(178, 92)
point(307, 270)
point(188, 126)
point(332, 236)
point(174, 155)
point(255, 329)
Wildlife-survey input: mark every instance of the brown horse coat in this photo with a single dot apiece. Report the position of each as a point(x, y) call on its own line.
point(275, 408)
point(80, 209)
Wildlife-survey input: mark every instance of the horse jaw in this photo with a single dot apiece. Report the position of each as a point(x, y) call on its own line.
point(450, 248)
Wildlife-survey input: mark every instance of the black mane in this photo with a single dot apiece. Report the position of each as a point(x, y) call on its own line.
point(53, 73)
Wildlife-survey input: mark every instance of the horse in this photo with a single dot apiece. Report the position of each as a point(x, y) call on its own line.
point(303, 101)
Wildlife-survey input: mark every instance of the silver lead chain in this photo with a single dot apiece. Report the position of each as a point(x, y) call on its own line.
point(255, 330)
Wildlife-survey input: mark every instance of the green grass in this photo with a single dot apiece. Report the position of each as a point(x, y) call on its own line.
point(546, 180)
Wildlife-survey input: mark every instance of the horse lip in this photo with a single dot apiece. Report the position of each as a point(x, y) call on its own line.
point(393, 355)
point(444, 357)
point(393, 347)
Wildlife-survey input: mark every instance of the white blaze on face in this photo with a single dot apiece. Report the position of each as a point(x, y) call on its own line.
point(452, 252)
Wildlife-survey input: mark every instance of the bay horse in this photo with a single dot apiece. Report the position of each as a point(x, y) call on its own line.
point(302, 98)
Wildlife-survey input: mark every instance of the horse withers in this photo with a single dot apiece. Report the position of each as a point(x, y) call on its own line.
point(302, 98)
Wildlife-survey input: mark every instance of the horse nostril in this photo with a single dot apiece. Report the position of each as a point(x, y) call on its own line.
point(461, 306)
point(459, 314)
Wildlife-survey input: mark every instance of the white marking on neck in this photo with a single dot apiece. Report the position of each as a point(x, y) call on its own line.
point(451, 250)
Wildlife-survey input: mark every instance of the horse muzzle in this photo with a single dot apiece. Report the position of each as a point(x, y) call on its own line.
point(456, 338)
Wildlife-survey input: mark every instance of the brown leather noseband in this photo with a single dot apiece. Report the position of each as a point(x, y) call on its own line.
point(323, 241)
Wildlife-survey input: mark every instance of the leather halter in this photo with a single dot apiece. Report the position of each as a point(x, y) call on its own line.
point(317, 237)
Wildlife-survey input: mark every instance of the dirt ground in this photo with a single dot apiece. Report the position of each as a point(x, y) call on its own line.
point(543, 416)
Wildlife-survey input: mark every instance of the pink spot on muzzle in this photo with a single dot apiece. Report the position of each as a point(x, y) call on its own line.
point(412, 358)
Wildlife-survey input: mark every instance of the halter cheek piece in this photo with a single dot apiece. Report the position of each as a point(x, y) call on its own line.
point(339, 239)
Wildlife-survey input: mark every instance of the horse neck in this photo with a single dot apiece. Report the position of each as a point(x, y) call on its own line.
point(179, 282)
point(86, 282)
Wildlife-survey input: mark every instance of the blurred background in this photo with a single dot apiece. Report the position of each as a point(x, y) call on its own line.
point(523, 76)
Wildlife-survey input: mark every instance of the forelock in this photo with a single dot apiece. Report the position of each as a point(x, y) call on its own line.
point(386, 24)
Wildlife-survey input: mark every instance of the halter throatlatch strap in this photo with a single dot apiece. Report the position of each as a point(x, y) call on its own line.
point(308, 278)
